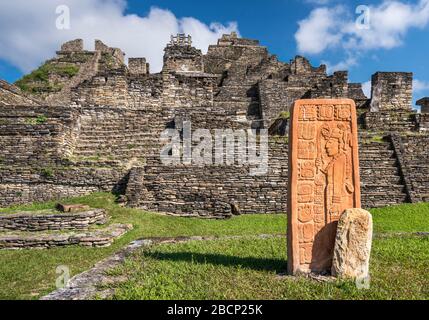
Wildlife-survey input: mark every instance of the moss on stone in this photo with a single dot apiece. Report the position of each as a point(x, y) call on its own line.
point(284, 115)
point(38, 80)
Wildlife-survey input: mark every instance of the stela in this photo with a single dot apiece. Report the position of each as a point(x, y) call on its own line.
point(177, 310)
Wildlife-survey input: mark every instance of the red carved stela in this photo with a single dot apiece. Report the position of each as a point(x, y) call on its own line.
point(323, 179)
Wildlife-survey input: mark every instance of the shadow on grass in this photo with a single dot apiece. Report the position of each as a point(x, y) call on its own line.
point(259, 264)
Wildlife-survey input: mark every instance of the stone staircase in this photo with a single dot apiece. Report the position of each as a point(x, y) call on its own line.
point(381, 181)
point(417, 163)
point(117, 136)
point(86, 72)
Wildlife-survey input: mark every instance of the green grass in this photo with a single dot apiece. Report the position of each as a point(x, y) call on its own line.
point(284, 115)
point(377, 138)
point(28, 274)
point(31, 273)
point(38, 80)
point(403, 218)
point(249, 269)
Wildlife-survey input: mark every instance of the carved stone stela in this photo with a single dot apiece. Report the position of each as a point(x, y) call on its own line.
point(323, 179)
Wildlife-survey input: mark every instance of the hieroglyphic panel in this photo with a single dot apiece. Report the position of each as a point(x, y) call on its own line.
point(323, 179)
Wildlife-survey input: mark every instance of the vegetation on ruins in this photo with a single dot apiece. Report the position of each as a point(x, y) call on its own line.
point(47, 172)
point(40, 119)
point(38, 80)
point(248, 267)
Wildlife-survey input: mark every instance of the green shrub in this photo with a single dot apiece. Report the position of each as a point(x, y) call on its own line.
point(284, 115)
point(47, 172)
point(38, 80)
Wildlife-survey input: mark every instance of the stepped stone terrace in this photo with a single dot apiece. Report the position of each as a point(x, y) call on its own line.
point(86, 121)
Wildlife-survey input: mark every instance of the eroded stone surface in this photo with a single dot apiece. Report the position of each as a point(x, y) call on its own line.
point(38, 240)
point(50, 220)
point(72, 207)
point(323, 179)
point(353, 244)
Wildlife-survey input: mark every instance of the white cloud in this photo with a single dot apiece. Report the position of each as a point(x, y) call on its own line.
point(318, 2)
point(320, 30)
point(336, 27)
point(420, 86)
point(29, 34)
point(366, 87)
point(342, 65)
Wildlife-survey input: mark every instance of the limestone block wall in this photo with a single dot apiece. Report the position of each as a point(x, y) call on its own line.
point(212, 190)
point(40, 183)
point(138, 66)
point(392, 91)
point(276, 96)
point(423, 122)
point(109, 89)
point(416, 161)
point(11, 95)
point(24, 221)
point(35, 134)
point(183, 58)
point(397, 121)
point(73, 46)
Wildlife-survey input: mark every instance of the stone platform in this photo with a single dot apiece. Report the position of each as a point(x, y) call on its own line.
point(96, 238)
point(50, 220)
point(51, 228)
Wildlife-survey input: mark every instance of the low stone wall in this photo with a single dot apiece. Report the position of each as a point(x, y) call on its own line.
point(416, 164)
point(97, 238)
point(27, 221)
point(394, 121)
point(34, 184)
point(214, 190)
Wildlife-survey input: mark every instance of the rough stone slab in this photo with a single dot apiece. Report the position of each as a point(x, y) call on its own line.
point(353, 244)
point(72, 207)
point(43, 221)
point(98, 238)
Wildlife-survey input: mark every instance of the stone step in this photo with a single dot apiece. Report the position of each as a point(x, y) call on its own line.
point(383, 188)
point(116, 144)
point(99, 237)
point(377, 178)
point(375, 158)
point(383, 163)
point(379, 201)
point(379, 171)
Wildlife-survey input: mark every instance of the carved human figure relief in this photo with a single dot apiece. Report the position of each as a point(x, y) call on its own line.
point(323, 179)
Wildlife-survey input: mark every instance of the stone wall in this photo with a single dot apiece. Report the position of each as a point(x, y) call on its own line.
point(392, 91)
point(212, 190)
point(102, 131)
point(138, 66)
point(73, 46)
point(416, 161)
point(183, 58)
point(11, 95)
point(396, 121)
point(97, 238)
point(423, 122)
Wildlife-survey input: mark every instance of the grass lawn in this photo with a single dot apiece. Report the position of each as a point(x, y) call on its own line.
point(249, 268)
point(242, 268)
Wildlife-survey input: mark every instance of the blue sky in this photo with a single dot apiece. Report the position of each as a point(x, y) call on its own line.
point(321, 30)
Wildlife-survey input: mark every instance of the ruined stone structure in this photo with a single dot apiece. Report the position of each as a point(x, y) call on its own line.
point(46, 229)
point(85, 121)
